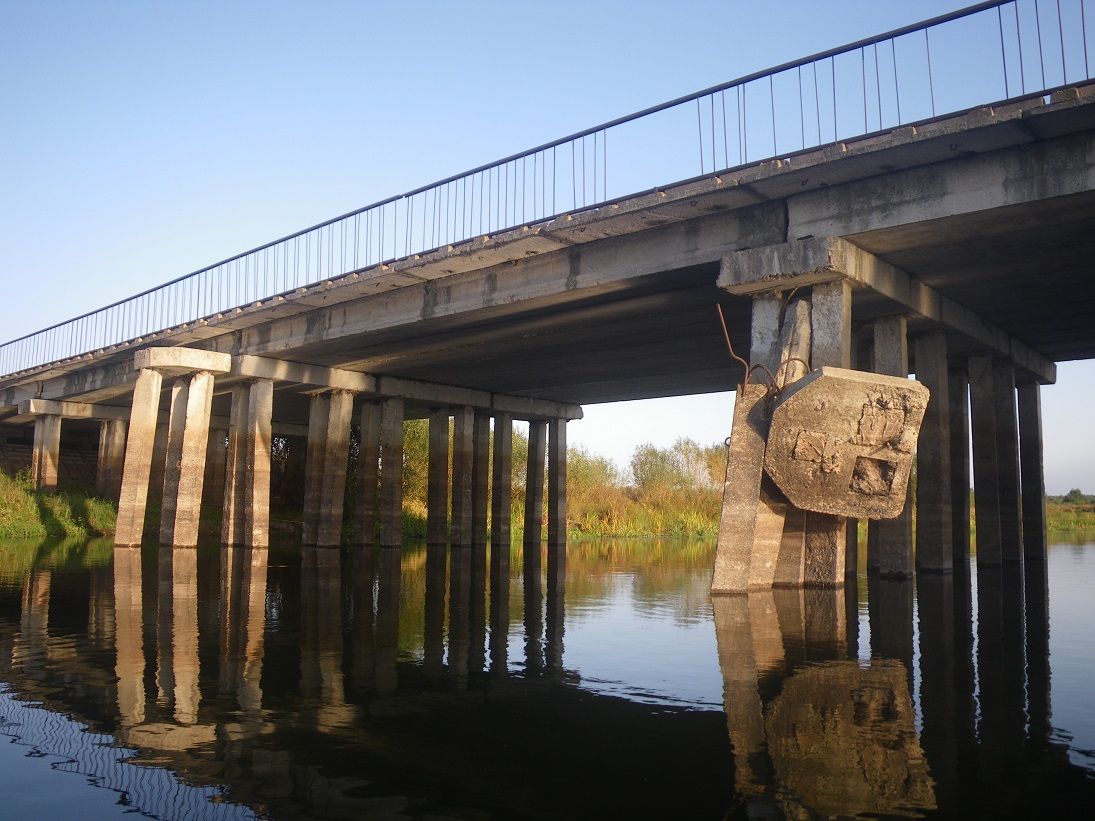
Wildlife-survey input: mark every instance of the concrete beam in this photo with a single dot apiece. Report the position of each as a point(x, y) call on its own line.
point(442, 395)
point(30, 408)
point(527, 408)
point(825, 259)
point(179, 361)
point(261, 367)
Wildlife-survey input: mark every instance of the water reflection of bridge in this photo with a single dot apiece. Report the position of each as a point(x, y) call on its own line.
point(816, 722)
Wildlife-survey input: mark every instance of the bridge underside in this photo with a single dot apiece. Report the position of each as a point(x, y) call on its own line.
point(975, 230)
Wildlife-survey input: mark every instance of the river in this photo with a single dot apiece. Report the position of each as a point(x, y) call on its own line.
point(602, 681)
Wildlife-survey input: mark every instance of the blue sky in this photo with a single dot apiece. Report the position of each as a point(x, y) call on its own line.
point(143, 140)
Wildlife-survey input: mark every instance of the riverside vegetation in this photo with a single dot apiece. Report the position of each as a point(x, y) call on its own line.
point(665, 492)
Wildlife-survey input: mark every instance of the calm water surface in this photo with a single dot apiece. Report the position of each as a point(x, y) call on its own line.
point(598, 682)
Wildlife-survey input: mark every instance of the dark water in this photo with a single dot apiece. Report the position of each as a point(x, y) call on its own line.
point(599, 682)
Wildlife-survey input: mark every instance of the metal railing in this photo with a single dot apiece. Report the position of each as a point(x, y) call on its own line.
point(988, 52)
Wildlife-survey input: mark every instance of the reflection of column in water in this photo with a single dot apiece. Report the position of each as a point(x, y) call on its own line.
point(31, 646)
point(100, 610)
point(363, 663)
point(230, 634)
point(321, 625)
point(1036, 587)
point(477, 615)
point(387, 618)
point(184, 632)
point(890, 607)
point(254, 628)
point(1014, 660)
point(842, 741)
point(165, 668)
point(826, 629)
point(459, 611)
point(499, 613)
point(938, 683)
point(128, 634)
point(736, 640)
point(433, 663)
point(534, 614)
point(1001, 667)
point(965, 718)
point(556, 592)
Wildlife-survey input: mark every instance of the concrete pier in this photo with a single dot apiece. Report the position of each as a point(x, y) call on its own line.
point(889, 541)
point(1007, 446)
point(959, 422)
point(108, 477)
point(502, 474)
point(534, 485)
point(557, 482)
point(934, 550)
point(437, 479)
point(986, 460)
point(368, 473)
point(46, 453)
point(391, 474)
point(463, 444)
point(1035, 538)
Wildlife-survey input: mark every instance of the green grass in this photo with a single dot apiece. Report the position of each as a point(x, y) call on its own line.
point(71, 512)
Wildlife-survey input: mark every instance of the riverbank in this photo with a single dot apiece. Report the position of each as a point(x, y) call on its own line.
point(27, 513)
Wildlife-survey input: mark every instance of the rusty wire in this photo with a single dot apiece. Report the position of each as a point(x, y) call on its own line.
point(729, 345)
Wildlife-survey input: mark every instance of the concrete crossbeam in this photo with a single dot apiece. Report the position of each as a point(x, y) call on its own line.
point(824, 259)
point(261, 367)
point(31, 408)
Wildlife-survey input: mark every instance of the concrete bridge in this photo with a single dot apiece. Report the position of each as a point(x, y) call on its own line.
point(956, 247)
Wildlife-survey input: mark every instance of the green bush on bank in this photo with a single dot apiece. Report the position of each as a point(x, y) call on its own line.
point(28, 513)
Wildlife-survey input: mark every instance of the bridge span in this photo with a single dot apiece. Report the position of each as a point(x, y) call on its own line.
point(957, 248)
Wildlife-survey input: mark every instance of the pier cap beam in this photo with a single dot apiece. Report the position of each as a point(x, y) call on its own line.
point(824, 259)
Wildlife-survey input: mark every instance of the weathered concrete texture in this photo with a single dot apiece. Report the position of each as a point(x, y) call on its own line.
point(502, 470)
point(463, 442)
point(841, 442)
point(233, 518)
point(260, 408)
point(108, 476)
point(179, 361)
point(437, 479)
point(830, 346)
point(889, 543)
point(779, 541)
point(187, 443)
point(985, 459)
point(534, 485)
point(933, 488)
point(793, 348)
point(391, 475)
point(368, 474)
point(959, 390)
point(740, 491)
point(318, 410)
point(46, 453)
point(481, 478)
point(557, 482)
point(764, 345)
point(216, 460)
point(336, 456)
point(1007, 449)
point(1035, 539)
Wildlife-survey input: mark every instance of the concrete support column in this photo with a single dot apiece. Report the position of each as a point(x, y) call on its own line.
point(336, 456)
point(47, 452)
point(159, 457)
point(889, 541)
point(958, 394)
point(503, 482)
point(140, 440)
point(368, 474)
point(463, 437)
point(108, 477)
point(534, 483)
point(188, 439)
point(1035, 539)
point(557, 482)
point(235, 470)
point(830, 345)
point(985, 459)
point(480, 478)
point(260, 409)
point(1007, 448)
point(216, 460)
point(318, 411)
point(437, 479)
point(933, 469)
point(391, 473)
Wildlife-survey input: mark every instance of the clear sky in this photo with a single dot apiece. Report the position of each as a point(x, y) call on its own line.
point(143, 140)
